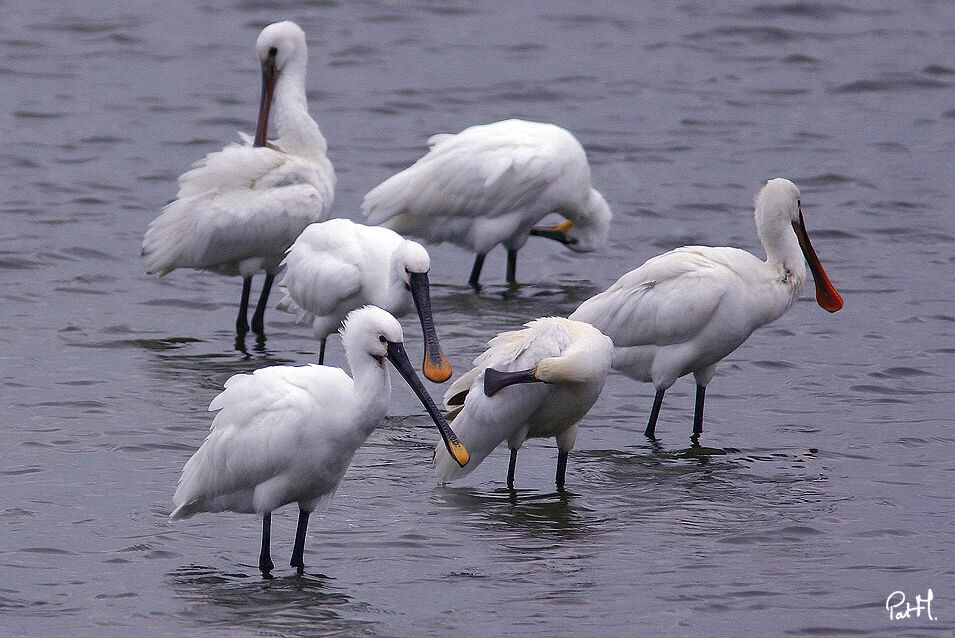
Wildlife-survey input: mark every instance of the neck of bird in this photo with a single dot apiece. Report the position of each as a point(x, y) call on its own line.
point(396, 294)
point(783, 253)
point(372, 383)
point(294, 131)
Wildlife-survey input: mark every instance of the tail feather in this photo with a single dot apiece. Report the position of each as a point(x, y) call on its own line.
point(187, 509)
point(386, 200)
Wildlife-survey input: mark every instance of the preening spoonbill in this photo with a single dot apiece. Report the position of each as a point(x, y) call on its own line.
point(684, 310)
point(489, 185)
point(239, 209)
point(286, 434)
point(337, 266)
point(561, 366)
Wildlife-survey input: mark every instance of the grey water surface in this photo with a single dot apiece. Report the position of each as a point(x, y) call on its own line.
point(825, 480)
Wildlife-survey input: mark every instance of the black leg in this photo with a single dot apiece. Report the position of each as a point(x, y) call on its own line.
point(321, 353)
point(510, 469)
point(258, 317)
point(698, 412)
point(654, 413)
point(241, 322)
point(511, 266)
point(476, 270)
point(298, 550)
point(265, 556)
point(561, 469)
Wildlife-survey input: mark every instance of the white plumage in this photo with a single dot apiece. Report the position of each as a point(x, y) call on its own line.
point(489, 185)
point(286, 434)
point(684, 310)
point(239, 209)
point(553, 372)
point(338, 265)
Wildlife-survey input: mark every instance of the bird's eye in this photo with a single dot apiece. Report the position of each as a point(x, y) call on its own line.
point(382, 339)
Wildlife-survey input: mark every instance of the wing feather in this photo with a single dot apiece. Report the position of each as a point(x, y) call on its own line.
point(260, 422)
point(516, 169)
point(235, 204)
point(322, 272)
point(668, 300)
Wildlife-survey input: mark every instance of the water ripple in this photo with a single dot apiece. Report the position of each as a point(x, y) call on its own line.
point(242, 602)
point(891, 83)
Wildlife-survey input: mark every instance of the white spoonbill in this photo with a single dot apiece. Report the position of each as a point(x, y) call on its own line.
point(286, 434)
point(489, 185)
point(337, 266)
point(239, 209)
point(564, 364)
point(684, 310)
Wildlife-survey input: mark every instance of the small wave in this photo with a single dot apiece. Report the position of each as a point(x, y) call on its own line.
point(774, 365)
point(759, 34)
point(8, 262)
point(825, 179)
point(38, 115)
point(938, 69)
point(900, 372)
point(902, 82)
point(815, 10)
point(20, 472)
point(798, 58)
point(46, 550)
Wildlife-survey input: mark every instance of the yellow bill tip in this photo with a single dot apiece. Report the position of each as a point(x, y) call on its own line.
point(459, 452)
point(437, 372)
point(564, 227)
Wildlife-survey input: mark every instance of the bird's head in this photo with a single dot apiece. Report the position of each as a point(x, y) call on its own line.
point(411, 258)
point(778, 217)
point(587, 229)
point(280, 44)
point(367, 331)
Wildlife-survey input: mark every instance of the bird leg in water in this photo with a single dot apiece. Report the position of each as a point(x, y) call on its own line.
point(265, 557)
point(698, 412)
point(258, 318)
point(561, 469)
point(298, 550)
point(654, 413)
point(476, 270)
point(242, 322)
point(321, 353)
point(511, 266)
point(510, 468)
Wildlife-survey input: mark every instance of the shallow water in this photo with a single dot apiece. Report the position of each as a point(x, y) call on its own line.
point(825, 480)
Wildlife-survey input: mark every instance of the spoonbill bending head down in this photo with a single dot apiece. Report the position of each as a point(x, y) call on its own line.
point(684, 310)
point(337, 266)
point(489, 185)
point(239, 209)
point(286, 434)
point(564, 365)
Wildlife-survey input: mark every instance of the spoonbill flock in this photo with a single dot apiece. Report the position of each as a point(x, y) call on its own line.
point(287, 434)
